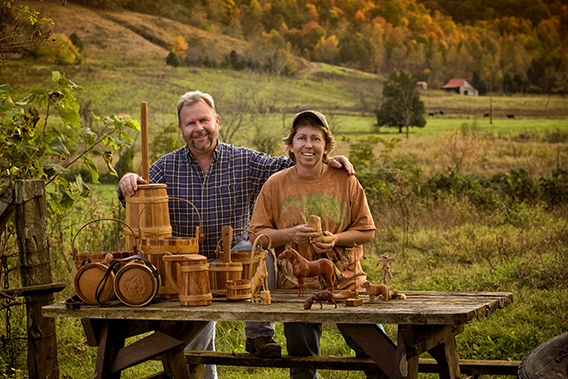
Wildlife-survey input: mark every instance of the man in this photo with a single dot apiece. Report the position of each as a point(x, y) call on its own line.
point(222, 181)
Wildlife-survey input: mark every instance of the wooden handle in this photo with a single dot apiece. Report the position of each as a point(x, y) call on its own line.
point(170, 277)
point(227, 238)
point(144, 130)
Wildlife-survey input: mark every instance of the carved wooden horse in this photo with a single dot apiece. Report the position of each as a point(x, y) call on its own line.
point(302, 268)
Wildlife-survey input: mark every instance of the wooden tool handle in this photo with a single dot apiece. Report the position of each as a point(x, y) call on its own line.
point(227, 238)
point(144, 130)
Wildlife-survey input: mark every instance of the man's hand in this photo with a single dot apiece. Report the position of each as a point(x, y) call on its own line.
point(341, 161)
point(129, 183)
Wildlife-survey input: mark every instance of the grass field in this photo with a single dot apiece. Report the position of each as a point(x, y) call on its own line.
point(443, 240)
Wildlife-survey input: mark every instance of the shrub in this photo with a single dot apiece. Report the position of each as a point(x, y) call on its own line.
point(61, 50)
point(555, 188)
point(172, 59)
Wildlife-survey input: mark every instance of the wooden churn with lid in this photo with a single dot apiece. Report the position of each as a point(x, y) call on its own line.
point(220, 272)
point(156, 248)
point(156, 219)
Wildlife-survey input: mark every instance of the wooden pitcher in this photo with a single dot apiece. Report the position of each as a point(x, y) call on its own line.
point(193, 288)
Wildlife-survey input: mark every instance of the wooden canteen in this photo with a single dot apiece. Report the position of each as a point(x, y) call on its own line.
point(137, 282)
point(87, 280)
point(194, 289)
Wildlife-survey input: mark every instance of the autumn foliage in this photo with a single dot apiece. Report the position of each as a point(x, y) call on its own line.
point(518, 46)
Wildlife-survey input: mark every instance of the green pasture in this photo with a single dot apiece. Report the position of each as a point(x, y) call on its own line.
point(445, 241)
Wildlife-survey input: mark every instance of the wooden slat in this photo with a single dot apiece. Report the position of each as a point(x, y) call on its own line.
point(467, 367)
point(152, 346)
point(41, 289)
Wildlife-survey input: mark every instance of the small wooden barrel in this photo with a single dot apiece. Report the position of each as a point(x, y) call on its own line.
point(156, 248)
point(193, 288)
point(136, 284)
point(148, 209)
point(238, 289)
point(220, 272)
point(88, 278)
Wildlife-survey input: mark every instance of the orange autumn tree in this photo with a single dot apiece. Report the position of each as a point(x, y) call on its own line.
point(180, 47)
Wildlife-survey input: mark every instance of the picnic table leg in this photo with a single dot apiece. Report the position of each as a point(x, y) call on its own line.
point(447, 358)
point(174, 362)
point(378, 347)
point(438, 340)
point(111, 340)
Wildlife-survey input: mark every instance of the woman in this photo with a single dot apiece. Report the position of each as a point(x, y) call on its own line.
point(286, 201)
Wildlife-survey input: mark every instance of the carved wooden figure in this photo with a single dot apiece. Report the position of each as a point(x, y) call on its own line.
point(302, 268)
point(385, 259)
point(260, 279)
point(319, 297)
point(315, 222)
point(380, 291)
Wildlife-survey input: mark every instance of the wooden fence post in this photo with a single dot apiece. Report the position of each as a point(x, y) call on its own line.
point(35, 269)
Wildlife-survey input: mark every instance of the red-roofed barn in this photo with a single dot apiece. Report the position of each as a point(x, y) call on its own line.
point(460, 86)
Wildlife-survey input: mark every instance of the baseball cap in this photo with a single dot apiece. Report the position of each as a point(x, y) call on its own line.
point(315, 115)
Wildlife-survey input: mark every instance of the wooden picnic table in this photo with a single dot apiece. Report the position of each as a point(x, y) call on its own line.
point(427, 322)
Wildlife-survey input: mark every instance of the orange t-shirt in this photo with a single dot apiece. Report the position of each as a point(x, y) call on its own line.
point(287, 200)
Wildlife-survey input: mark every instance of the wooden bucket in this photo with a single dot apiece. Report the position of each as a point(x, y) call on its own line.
point(245, 257)
point(193, 288)
point(156, 218)
point(137, 282)
point(95, 257)
point(238, 289)
point(220, 272)
point(156, 248)
point(87, 279)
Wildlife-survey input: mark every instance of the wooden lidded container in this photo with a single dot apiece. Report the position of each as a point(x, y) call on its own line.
point(193, 287)
point(87, 280)
point(238, 289)
point(137, 282)
point(148, 210)
point(220, 272)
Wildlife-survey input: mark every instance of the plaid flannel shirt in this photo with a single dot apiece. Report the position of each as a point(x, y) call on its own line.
point(224, 195)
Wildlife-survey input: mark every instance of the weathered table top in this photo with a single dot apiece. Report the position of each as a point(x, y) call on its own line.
point(419, 308)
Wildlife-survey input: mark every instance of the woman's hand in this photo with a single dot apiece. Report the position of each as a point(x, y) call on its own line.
point(324, 247)
point(301, 234)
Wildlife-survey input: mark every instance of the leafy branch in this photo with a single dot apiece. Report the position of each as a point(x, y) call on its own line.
point(32, 144)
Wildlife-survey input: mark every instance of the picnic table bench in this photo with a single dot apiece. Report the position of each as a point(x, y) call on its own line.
point(427, 322)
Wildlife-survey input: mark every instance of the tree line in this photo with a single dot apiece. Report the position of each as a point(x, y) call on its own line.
point(515, 46)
